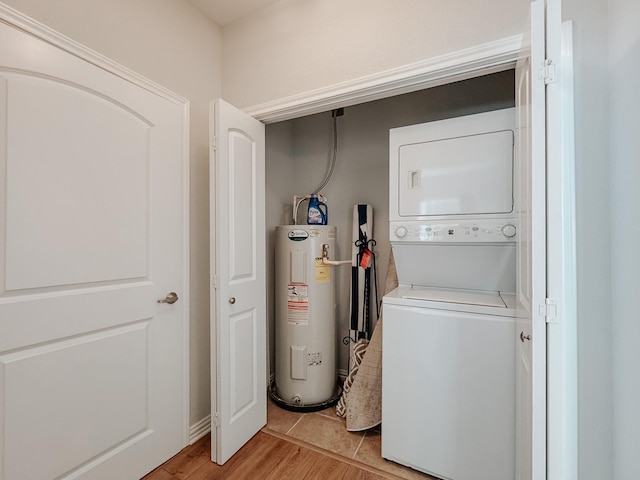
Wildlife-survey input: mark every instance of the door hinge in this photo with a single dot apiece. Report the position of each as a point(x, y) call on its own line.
point(547, 72)
point(549, 310)
point(214, 143)
point(214, 281)
point(215, 420)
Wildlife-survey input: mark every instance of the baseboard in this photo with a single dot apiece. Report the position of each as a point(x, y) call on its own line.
point(199, 429)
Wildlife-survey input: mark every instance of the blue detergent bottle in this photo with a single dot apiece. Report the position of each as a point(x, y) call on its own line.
point(317, 211)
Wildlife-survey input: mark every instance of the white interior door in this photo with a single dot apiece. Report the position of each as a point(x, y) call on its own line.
point(531, 253)
point(238, 303)
point(91, 233)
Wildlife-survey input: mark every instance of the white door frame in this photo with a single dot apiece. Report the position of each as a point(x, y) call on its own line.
point(483, 59)
point(13, 17)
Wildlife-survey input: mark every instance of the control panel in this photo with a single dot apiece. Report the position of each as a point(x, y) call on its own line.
point(464, 231)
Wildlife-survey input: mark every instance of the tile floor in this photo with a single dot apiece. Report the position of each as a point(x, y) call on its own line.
point(326, 430)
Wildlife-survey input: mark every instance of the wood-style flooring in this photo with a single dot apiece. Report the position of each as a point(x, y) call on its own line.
point(266, 456)
point(301, 446)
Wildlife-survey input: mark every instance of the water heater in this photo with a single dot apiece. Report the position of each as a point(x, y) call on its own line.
point(305, 326)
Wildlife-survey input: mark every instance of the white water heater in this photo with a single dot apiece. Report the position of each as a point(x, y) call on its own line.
point(305, 326)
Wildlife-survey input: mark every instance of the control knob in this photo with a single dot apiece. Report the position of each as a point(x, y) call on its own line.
point(401, 232)
point(509, 230)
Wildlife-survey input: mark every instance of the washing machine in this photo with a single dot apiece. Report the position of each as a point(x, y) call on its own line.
point(448, 398)
point(448, 355)
point(449, 330)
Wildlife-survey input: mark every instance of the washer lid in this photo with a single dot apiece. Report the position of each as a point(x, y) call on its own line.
point(467, 297)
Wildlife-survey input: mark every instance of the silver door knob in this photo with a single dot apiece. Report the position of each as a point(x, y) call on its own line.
point(524, 337)
point(232, 300)
point(172, 297)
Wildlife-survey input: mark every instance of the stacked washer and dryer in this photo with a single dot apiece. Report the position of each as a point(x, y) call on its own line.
point(448, 386)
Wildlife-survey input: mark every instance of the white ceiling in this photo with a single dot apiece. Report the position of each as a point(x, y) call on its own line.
point(224, 12)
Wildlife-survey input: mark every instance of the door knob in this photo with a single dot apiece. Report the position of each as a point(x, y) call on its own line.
point(172, 297)
point(524, 337)
point(232, 300)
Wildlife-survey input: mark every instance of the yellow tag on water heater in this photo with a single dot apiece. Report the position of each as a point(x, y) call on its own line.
point(323, 272)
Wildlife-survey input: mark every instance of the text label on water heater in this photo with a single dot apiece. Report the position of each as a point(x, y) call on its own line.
point(298, 235)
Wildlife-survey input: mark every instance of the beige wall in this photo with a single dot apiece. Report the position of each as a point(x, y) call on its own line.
point(624, 148)
point(171, 43)
point(593, 237)
point(297, 46)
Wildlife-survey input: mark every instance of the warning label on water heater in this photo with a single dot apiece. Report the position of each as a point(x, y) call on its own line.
point(298, 303)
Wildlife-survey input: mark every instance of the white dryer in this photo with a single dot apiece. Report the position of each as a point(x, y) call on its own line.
point(448, 385)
